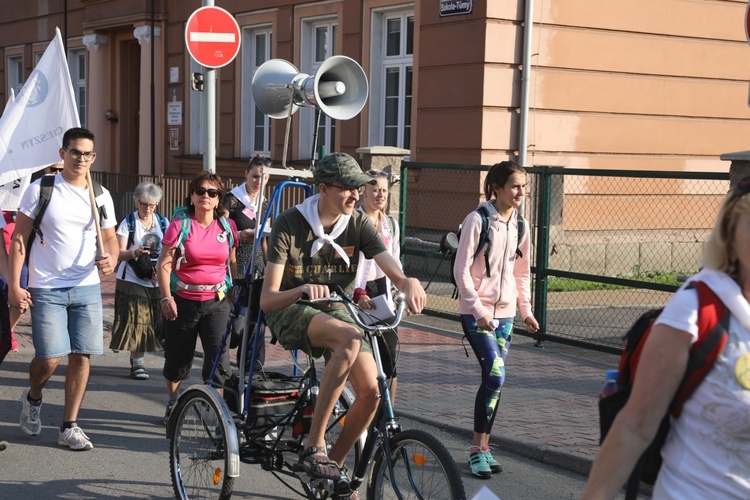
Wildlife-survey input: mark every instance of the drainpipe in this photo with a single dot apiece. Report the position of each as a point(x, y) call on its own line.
point(525, 82)
point(153, 97)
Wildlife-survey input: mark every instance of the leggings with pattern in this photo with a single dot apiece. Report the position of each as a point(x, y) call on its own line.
point(491, 349)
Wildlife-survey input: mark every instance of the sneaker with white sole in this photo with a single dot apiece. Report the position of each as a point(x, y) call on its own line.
point(75, 439)
point(479, 466)
point(495, 466)
point(30, 422)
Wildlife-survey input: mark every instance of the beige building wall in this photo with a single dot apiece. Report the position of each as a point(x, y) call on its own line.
point(639, 85)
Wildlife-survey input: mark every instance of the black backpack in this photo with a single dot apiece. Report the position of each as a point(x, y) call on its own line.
point(144, 266)
point(47, 184)
point(483, 233)
point(713, 321)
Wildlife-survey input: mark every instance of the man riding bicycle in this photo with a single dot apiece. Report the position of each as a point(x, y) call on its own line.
point(312, 245)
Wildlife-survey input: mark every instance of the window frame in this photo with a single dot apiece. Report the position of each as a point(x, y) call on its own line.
point(310, 63)
point(250, 115)
point(381, 63)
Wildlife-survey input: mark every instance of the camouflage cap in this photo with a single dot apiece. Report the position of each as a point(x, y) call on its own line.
point(340, 167)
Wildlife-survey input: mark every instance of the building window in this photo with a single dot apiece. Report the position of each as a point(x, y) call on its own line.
point(255, 125)
point(15, 73)
point(197, 113)
point(391, 79)
point(322, 45)
point(77, 67)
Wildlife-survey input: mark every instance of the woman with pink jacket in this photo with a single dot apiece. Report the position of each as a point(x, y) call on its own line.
point(491, 286)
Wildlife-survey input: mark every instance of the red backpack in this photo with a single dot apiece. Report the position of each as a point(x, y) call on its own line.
point(713, 323)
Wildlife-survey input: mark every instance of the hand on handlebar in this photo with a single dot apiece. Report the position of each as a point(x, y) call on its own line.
point(312, 292)
point(416, 298)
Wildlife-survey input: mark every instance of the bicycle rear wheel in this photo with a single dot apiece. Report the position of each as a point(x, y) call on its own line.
point(422, 468)
point(198, 458)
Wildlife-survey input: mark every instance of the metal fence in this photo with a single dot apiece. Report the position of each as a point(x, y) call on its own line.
point(606, 245)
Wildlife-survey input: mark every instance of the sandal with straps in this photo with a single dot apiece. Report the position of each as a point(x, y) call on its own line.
point(316, 467)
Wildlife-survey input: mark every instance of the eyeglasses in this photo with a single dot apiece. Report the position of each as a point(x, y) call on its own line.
point(53, 170)
point(148, 205)
point(87, 155)
point(261, 161)
point(378, 173)
point(350, 189)
point(200, 191)
point(740, 189)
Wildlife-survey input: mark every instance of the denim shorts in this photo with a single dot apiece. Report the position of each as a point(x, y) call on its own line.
point(66, 320)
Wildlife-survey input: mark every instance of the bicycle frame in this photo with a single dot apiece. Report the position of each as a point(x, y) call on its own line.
point(274, 206)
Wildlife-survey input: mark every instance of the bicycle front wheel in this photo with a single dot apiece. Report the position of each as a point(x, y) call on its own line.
point(198, 458)
point(422, 468)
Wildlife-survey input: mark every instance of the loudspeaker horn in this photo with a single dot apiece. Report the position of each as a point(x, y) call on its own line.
point(339, 88)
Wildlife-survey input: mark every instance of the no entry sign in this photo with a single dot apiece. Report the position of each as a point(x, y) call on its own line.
point(212, 37)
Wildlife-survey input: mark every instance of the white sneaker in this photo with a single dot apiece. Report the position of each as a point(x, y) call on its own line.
point(75, 439)
point(31, 424)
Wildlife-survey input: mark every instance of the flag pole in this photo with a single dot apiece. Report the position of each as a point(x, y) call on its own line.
point(99, 241)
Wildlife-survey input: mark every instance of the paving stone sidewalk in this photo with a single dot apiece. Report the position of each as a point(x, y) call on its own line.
point(548, 408)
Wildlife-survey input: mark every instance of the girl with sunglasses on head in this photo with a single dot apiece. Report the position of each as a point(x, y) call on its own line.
point(195, 302)
point(707, 450)
point(492, 284)
point(371, 281)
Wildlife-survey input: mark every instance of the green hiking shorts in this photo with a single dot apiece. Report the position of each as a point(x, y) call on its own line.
point(289, 326)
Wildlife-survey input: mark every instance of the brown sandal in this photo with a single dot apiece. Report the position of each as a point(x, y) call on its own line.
point(317, 467)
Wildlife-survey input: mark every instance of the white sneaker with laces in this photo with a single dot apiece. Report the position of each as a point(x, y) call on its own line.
point(75, 439)
point(31, 424)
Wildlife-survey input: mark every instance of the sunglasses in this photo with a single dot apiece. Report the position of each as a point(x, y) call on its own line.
point(740, 189)
point(54, 170)
point(200, 191)
point(378, 173)
point(261, 161)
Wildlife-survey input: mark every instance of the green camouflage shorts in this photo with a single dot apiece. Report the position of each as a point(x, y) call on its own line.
point(289, 326)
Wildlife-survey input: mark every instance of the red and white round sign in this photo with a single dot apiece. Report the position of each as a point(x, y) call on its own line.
point(212, 36)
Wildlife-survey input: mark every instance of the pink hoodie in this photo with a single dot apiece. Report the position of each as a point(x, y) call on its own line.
point(510, 275)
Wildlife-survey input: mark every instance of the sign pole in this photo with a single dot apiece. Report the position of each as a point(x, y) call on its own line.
point(212, 37)
point(209, 104)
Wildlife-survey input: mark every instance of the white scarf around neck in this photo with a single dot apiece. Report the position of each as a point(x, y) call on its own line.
point(240, 192)
point(309, 210)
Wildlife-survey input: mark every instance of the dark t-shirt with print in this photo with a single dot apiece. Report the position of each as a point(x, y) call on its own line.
point(291, 245)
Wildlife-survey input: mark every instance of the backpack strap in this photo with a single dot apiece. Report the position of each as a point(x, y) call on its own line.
point(47, 184)
point(713, 325)
point(130, 221)
point(392, 222)
point(163, 222)
point(521, 224)
point(185, 223)
point(483, 238)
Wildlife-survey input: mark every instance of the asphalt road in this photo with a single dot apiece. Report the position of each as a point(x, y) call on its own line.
point(123, 418)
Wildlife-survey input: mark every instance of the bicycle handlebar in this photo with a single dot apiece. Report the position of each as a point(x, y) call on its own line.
point(338, 295)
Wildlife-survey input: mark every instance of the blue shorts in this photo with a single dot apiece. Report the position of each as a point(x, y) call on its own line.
point(67, 320)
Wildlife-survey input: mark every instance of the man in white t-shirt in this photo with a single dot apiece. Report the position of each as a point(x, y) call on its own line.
point(64, 290)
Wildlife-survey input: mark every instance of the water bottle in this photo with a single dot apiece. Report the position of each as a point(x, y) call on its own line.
point(611, 385)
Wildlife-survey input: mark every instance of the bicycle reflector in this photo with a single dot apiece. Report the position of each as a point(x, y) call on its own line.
point(217, 476)
point(419, 459)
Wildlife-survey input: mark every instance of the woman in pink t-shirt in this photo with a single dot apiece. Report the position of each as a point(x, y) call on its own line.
point(195, 304)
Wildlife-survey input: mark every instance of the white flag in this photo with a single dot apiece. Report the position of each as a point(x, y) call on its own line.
point(32, 126)
point(10, 99)
point(11, 192)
